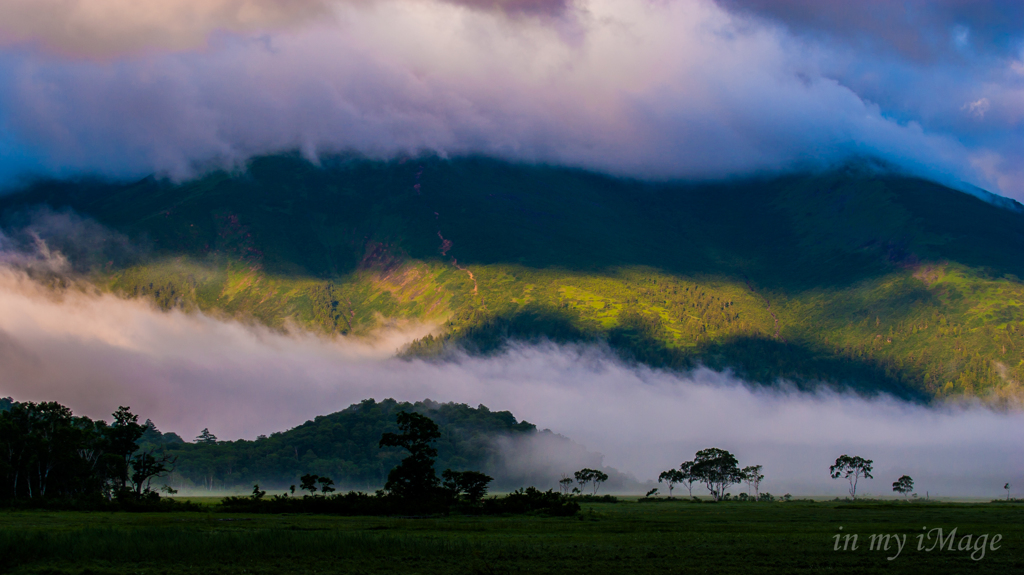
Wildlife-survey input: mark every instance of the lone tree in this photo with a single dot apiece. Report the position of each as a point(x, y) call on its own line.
point(752, 475)
point(904, 485)
point(414, 478)
point(587, 475)
point(852, 469)
point(1007, 488)
point(717, 469)
point(672, 476)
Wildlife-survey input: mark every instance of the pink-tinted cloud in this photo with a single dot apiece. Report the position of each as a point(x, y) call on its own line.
point(656, 90)
point(108, 28)
point(647, 89)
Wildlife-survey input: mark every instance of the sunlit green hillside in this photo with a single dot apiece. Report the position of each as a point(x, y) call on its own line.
point(853, 277)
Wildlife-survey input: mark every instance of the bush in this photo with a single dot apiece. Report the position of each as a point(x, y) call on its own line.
point(529, 500)
point(149, 504)
point(351, 503)
point(596, 499)
point(532, 500)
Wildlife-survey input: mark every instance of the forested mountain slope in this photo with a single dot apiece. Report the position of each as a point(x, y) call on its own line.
point(854, 277)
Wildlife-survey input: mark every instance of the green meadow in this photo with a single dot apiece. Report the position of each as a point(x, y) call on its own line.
point(627, 537)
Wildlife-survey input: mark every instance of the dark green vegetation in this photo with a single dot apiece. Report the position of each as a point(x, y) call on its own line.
point(413, 487)
point(855, 277)
point(444, 501)
point(627, 537)
point(49, 455)
point(344, 446)
point(51, 459)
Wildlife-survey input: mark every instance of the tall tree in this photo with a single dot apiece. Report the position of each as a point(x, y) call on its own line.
point(717, 469)
point(686, 469)
point(582, 477)
point(852, 469)
point(52, 425)
point(590, 476)
point(122, 437)
point(414, 478)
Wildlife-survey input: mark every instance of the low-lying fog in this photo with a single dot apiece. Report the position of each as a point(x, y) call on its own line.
point(186, 372)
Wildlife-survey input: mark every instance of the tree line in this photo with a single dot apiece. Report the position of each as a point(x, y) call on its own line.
point(717, 470)
point(47, 453)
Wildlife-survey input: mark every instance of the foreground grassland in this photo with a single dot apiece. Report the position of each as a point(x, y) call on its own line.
point(627, 537)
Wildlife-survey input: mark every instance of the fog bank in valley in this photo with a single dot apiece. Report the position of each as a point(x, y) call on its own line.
point(95, 351)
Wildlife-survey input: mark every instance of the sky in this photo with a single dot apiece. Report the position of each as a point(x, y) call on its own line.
point(653, 89)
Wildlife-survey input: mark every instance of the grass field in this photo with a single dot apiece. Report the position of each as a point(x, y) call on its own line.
point(627, 537)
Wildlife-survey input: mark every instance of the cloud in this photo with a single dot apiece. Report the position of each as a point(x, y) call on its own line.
point(94, 352)
point(108, 28)
point(682, 89)
point(45, 240)
point(921, 30)
point(658, 90)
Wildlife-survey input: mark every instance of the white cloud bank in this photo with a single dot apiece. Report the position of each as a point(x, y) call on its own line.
point(649, 89)
point(94, 352)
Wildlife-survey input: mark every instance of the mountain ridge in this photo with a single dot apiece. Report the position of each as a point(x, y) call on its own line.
point(854, 278)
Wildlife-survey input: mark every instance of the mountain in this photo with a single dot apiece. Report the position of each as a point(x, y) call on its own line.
point(855, 277)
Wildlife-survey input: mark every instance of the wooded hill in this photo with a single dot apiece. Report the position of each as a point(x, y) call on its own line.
point(344, 446)
point(856, 277)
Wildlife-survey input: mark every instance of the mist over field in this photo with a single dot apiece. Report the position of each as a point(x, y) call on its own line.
point(95, 351)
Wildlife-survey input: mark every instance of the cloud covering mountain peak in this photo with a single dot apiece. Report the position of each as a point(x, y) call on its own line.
point(684, 89)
